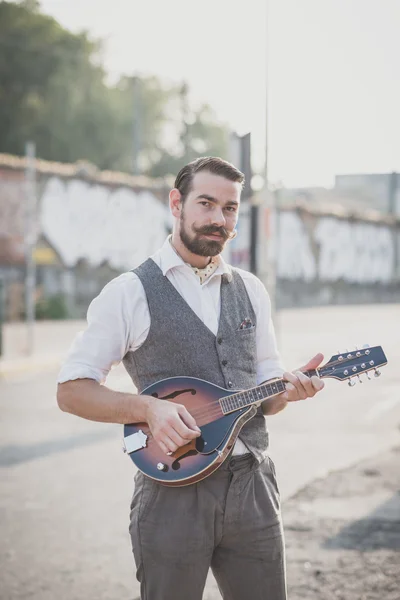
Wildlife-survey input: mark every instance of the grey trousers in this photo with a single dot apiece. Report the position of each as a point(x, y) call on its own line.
point(230, 522)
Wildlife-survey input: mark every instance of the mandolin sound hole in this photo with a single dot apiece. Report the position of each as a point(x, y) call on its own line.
point(176, 465)
point(175, 394)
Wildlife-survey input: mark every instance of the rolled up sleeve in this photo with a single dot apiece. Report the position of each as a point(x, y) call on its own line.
point(106, 338)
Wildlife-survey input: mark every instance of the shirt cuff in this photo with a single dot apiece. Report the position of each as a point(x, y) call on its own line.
point(71, 372)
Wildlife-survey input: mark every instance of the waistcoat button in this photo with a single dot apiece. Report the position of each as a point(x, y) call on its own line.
point(224, 362)
point(219, 340)
point(230, 384)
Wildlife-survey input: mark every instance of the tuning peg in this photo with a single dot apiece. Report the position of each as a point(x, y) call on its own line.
point(377, 373)
point(351, 382)
point(369, 375)
point(359, 379)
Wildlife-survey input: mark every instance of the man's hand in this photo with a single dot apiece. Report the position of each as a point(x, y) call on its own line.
point(299, 386)
point(171, 424)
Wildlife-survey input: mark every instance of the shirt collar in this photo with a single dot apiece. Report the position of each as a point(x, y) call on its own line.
point(170, 259)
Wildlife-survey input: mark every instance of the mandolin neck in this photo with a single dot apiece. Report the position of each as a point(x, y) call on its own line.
point(257, 394)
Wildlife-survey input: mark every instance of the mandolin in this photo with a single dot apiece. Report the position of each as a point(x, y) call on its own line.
point(220, 414)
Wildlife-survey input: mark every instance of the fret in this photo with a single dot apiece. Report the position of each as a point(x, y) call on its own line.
point(246, 397)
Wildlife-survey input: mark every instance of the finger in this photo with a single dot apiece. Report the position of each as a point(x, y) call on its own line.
point(162, 446)
point(176, 438)
point(291, 378)
point(306, 383)
point(291, 393)
point(313, 363)
point(317, 383)
point(170, 444)
point(188, 419)
point(183, 431)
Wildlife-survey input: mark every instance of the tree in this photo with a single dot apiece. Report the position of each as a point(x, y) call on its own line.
point(53, 90)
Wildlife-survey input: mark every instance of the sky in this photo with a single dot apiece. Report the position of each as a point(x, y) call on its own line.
point(331, 68)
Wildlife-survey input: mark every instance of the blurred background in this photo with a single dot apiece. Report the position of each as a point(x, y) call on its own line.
point(101, 104)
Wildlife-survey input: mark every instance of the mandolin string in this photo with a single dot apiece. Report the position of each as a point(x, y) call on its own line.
point(214, 409)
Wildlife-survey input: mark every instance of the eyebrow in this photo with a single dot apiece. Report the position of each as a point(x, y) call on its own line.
point(212, 199)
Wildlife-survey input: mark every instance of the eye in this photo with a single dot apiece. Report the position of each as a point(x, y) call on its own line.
point(205, 203)
point(231, 209)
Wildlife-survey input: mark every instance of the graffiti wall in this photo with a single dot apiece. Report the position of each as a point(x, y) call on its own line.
point(91, 228)
point(327, 258)
point(97, 224)
point(88, 230)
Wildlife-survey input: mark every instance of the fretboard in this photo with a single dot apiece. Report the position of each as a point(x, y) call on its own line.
point(264, 391)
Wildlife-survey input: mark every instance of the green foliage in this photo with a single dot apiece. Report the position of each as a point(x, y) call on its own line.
point(53, 307)
point(53, 91)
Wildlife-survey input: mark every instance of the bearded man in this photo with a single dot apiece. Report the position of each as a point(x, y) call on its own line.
point(176, 315)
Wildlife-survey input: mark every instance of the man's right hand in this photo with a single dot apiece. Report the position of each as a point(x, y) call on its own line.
point(170, 423)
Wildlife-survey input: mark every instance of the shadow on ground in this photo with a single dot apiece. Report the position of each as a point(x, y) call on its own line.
point(14, 454)
point(380, 530)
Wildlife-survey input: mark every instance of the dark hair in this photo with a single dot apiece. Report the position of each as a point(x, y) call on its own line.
point(212, 164)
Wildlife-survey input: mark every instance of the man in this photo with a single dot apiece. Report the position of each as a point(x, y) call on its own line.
point(179, 313)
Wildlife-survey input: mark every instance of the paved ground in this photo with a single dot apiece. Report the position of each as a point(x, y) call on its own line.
point(66, 485)
point(343, 534)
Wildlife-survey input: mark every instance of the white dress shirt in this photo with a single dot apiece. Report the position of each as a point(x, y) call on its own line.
point(119, 319)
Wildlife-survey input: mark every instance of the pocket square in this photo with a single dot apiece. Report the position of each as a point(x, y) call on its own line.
point(246, 324)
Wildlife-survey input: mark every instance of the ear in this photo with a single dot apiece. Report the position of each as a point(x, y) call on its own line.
point(175, 203)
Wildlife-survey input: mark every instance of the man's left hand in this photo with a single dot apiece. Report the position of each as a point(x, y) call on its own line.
point(299, 386)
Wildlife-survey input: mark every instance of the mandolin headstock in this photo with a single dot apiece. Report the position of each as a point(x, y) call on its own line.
point(354, 363)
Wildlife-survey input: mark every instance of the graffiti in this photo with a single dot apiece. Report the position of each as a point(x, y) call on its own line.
point(354, 252)
point(335, 249)
point(295, 259)
point(95, 223)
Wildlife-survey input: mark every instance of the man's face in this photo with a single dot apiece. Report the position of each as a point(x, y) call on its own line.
point(209, 214)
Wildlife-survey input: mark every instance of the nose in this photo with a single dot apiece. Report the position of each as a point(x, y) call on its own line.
point(218, 217)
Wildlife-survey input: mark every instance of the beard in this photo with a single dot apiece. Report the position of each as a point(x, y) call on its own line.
point(201, 246)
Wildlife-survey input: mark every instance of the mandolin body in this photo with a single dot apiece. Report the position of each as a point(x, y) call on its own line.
point(205, 454)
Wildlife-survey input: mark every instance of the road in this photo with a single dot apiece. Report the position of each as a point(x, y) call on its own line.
point(66, 485)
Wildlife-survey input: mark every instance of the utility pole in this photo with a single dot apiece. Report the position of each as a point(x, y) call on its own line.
point(392, 193)
point(247, 195)
point(185, 136)
point(30, 243)
point(240, 156)
point(1, 315)
point(267, 227)
point(394, 210)
point(136, 129)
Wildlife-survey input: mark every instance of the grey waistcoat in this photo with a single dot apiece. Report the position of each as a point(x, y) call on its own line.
point(180, 344)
